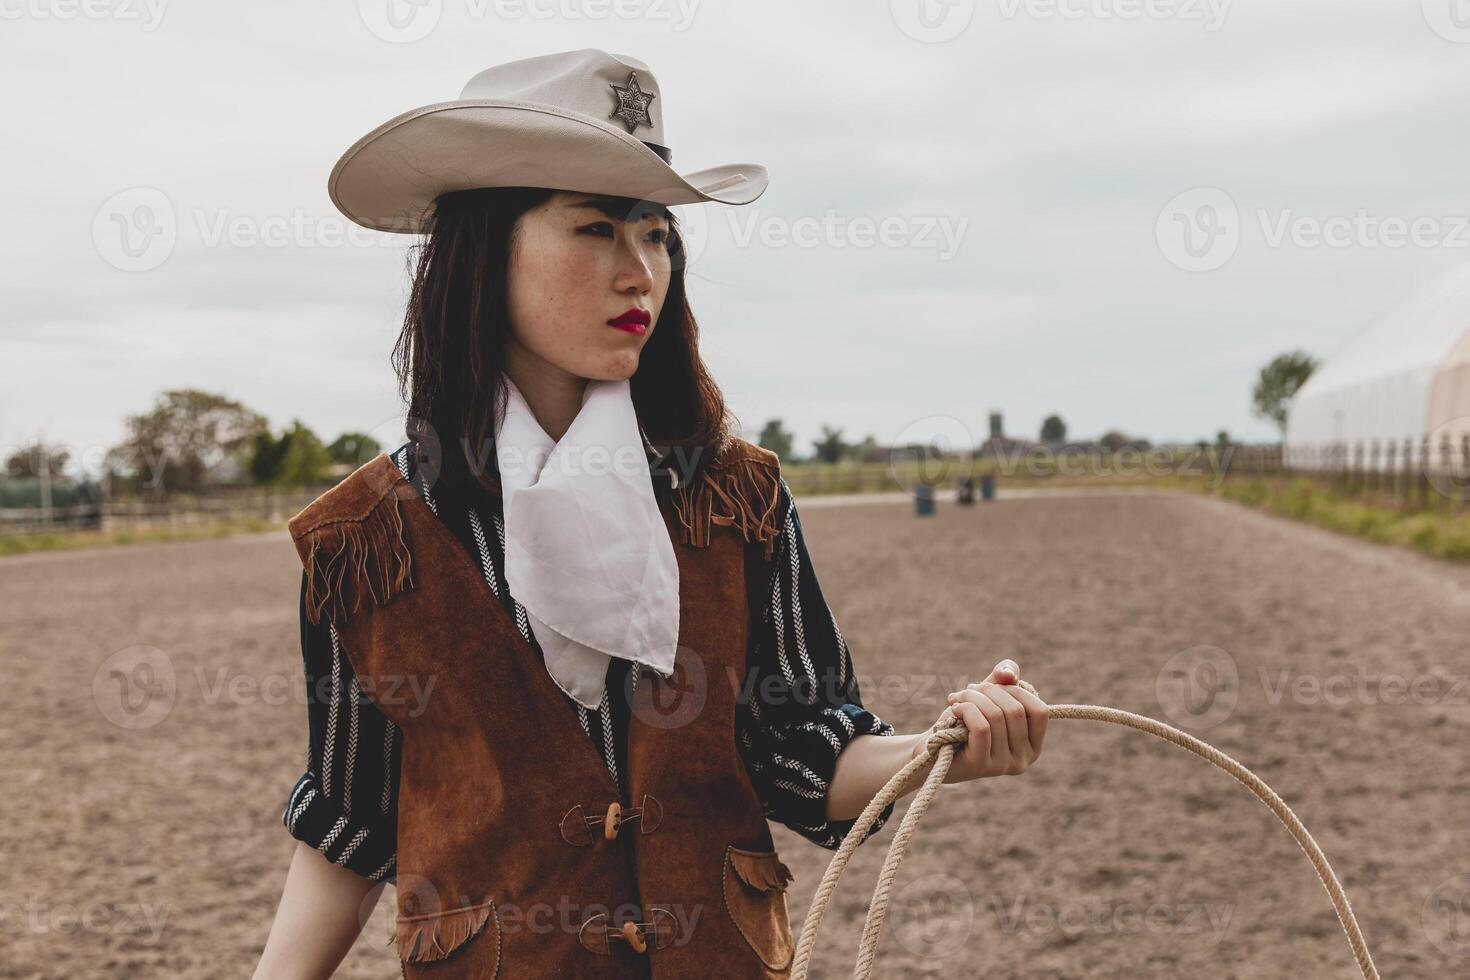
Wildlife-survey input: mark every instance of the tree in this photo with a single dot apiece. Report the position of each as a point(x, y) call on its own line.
point(355, 448)
point(295, 459)
point(775, 438)
point(25, 462)
point(1278, 383)
point(186, 436)
point(1113, 440)
point(1222, 440)
point(306, 460)
point(1053, 430)
point(267, 453)
point(830, 448)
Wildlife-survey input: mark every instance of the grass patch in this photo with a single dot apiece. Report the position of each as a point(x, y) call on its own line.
point(1442, 529)
point(20, 544)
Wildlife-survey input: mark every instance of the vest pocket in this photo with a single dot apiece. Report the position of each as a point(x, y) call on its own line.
point(755, 896)
point(471, 935)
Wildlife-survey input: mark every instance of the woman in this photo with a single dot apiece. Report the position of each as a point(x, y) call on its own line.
point(492, 599)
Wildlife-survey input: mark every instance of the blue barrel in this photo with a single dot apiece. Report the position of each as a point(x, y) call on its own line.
point(924, 500)
point(987, 486)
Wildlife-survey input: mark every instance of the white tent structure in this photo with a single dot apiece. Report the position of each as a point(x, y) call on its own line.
point(1399, 385)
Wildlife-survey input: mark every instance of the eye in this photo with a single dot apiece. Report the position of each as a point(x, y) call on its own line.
point(659, 236)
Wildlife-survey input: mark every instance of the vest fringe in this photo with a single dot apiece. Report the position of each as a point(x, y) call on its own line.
point(747, 493)
point(422, 939)
point(760, 871)
point(349, 558)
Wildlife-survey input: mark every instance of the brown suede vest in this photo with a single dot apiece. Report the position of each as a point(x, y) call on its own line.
point(516, 855)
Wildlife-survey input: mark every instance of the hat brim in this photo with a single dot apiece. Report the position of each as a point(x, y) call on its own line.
point(389, 179)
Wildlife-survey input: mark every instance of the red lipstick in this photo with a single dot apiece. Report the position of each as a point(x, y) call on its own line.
point(632, 320)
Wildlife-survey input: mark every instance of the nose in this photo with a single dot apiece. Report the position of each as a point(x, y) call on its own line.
point(634, 272)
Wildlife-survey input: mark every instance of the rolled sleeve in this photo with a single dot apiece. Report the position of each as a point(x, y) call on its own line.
point(805, 706)
point(365, 848)
point(801, 763)
point(345, 802)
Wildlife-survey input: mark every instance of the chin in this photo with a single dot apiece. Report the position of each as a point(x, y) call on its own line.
point(617, 369)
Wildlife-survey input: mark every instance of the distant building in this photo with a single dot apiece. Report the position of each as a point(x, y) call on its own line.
point(1404, 378)
point(1006, 446)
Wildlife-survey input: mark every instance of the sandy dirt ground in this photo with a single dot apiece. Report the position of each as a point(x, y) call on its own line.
point(158, 723)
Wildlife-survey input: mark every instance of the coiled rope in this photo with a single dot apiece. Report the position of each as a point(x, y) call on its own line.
point(943, 744)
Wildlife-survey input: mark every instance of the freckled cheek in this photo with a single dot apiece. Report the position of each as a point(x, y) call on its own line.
point(564, 281)
point(577, 265)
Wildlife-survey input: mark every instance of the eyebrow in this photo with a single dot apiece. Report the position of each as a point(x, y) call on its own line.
point(618, 210)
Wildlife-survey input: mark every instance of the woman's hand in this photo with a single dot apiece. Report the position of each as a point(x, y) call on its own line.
point(1006, 722)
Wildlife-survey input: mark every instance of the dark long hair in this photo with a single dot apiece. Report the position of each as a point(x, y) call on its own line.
point(450, 355)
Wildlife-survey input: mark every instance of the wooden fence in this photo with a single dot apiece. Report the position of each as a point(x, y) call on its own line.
point(226, 507)
point(1411, 472)
point(1408, 472)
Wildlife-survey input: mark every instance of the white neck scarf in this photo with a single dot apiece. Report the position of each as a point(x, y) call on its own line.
point(587, 551)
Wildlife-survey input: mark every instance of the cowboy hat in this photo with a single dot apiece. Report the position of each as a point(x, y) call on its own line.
point(583, 120)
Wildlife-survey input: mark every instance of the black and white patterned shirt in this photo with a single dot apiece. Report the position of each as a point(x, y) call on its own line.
point(344, 804)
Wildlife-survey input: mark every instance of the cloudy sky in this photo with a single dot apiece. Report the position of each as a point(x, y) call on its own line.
point(1116, 210)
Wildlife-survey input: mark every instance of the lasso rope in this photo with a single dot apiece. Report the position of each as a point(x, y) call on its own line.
point(943, 743)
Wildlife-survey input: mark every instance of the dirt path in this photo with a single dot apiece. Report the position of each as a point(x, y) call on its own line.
point(146, 843)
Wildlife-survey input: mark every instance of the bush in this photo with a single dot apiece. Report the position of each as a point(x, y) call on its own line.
point(1455, 545)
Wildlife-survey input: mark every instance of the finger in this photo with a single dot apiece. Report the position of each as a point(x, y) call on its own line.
point(978, 742)
point(1005, 672)
point(1000, 751)
point(1014, 712)
point(1020, 683)
point(1037, 714)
